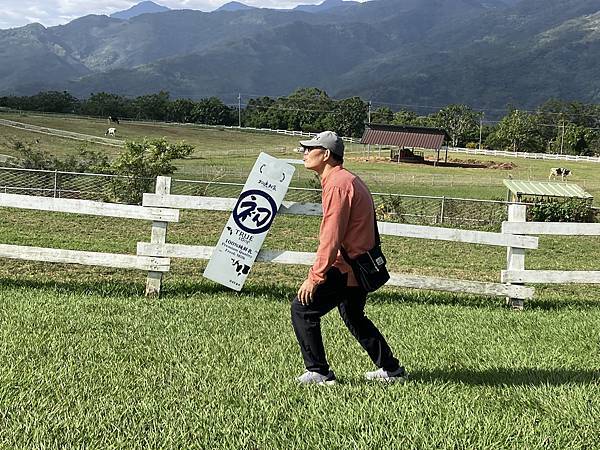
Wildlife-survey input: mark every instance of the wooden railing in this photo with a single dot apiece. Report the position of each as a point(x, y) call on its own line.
point(516, 274)
point(162, 208)
point(153, 264)
point(511, 241)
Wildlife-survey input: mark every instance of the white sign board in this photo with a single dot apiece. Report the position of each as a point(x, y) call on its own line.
point(249, 222)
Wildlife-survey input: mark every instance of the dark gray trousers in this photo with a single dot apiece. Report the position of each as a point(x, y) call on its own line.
point(350, 302)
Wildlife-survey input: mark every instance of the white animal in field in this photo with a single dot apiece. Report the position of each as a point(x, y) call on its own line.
point(561, 172)
point(111, 132)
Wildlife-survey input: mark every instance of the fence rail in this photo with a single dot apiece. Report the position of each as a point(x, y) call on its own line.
point(62, 133)
point(153, 264)
point(385, 228)
point(161, 208)
point(412, 209)
point(525, 155)
point(516, 272)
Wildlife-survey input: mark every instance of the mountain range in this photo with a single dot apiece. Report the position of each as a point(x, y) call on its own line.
point(486, 53)
point(146, 7)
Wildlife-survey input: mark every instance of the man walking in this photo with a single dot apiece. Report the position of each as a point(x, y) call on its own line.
point(348, 222)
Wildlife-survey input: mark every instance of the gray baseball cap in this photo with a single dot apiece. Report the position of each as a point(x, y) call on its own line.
point(328, 140)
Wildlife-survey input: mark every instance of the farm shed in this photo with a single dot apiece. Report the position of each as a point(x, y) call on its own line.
point(406, 138)
point(518, 190)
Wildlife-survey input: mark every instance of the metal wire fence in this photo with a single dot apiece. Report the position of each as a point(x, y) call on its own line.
point(425, 210)
point(239, 174)
point(412, 209)
point(57, 184)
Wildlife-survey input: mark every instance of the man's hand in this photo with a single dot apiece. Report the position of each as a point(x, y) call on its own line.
point(306, 292)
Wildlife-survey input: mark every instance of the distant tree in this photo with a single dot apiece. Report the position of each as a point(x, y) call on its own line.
point(573, 140)
point(348, 117)
point(103, 104)
point(517, 131)
point(556, 112)
point(151, 106)
point(212, 111)
point(459, 121)
point(306, 109)
point(383, 114)
point(54, 101)
point(578, 120)
point(180, 110)
point(405, 117)
point(263, 112)
point(10, 101)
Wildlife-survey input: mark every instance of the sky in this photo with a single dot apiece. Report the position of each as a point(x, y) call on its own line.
point(17, 13)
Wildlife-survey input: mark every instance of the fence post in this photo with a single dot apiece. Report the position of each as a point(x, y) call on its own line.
point(158, 236)
point(55, 182)
point(442, 209)
point(515, 257)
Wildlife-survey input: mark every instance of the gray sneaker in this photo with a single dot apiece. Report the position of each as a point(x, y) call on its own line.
point(397, 376)
point(309, 377)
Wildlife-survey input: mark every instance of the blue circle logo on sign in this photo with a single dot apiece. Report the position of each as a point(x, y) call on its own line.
point(254, 211)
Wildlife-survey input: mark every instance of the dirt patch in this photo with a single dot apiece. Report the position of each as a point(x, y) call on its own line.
point(502, 166)
point(452, 162)
point(474, 164)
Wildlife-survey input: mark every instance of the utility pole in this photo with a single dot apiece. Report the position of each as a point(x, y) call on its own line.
point(369, 121)
point(480, 128)
point(562, 137)
point(239, 110)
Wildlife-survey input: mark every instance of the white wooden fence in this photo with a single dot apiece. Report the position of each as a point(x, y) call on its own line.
point(162, 208)
point(62, 133)
point(162, 199)
point(153, 264)
point(516, 272)
point(525, 155)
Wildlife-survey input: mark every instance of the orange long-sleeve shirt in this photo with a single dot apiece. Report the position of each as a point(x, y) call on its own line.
point(347, 221)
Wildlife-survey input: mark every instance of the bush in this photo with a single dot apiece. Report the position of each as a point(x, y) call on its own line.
point(139, 164)
point(390, 209)
point(572, 210)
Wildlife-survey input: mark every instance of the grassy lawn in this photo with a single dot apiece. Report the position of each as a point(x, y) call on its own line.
point(87, 361)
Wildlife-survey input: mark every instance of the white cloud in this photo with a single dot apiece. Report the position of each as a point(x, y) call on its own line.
point(17, 13)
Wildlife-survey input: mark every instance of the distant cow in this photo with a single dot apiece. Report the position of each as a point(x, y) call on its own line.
point(111, 132)
point(113, 119)
point(559, 172)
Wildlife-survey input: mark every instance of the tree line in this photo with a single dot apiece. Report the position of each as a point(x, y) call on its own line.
point(554, 127)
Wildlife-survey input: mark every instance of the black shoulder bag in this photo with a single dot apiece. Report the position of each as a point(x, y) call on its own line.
point(369, 267)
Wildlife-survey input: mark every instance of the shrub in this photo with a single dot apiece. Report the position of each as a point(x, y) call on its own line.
point(139, 164)
point(571, 210)
point(390, 209)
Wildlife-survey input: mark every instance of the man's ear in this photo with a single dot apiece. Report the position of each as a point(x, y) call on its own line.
point(327, 154)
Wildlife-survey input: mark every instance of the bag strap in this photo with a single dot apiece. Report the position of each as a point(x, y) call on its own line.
point(377, 240)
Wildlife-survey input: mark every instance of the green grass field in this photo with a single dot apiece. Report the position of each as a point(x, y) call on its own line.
point(236, 151)
point(87, 362)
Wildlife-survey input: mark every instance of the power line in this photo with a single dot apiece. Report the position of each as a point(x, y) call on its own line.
point(483, 110)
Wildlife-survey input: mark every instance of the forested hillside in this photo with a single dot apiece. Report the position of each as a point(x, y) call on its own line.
point(432, 52)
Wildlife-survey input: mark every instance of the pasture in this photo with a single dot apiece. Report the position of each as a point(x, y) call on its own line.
point(232, 152)
point(87, 361)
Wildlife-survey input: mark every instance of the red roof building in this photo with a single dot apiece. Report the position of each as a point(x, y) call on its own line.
point(405, 137)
